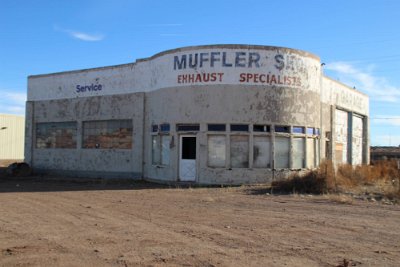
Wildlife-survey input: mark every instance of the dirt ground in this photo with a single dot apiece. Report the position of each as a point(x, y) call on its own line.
point(48, 222)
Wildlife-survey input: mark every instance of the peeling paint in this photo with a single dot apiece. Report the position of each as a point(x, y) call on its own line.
point(270, 86)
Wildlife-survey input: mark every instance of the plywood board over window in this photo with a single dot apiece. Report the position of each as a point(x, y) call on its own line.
point(239, 151)
point(341, 135)
point(56, 135)
point(357, 140)
point(262, 152)
point(216, 150)
point(282, 149)
point(298, 153)
point(108, 134)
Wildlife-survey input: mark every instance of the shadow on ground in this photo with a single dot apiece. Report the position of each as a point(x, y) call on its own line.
point(58, 184)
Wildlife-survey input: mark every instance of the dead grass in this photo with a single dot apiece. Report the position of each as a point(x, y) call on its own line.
point(382, 178)
point(340, 198)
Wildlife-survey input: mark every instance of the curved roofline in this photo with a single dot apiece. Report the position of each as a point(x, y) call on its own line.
point(183, 49)
point(231, 46)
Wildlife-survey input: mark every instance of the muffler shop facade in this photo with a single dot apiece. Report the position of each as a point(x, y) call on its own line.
point(216, 114)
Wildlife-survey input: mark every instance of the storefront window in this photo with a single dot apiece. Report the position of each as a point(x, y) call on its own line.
point(216, 150)
point(239, 151)
point(165, 142)
point(160, 149)
point(298, 153)
point(282, 148)
point(110, 134)
point(310, 152)
point(56, 135)
point(262, 152)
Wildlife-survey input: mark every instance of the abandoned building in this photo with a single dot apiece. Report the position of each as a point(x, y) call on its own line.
point(215, 114)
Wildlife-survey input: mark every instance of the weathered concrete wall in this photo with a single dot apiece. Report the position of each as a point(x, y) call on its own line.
point(349, 140)
point(344, 97)
point(90, 162)
point(225, 104)
point(224, 84)
point(239, 97)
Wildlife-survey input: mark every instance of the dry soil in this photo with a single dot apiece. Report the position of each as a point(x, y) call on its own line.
point(57, 222)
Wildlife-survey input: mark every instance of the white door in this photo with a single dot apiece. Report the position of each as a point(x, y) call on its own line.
point(187, 158)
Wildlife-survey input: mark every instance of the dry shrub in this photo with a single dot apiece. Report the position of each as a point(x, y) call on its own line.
point(318, 181)
point(383, 176)
point(340, 198)
point(379, 174)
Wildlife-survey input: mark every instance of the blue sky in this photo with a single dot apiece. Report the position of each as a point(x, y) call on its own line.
point(358, 40)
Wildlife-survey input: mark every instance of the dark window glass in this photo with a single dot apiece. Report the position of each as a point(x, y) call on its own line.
point(188, 127)
point(154, 128)
point(164, 127)
point(109, 134)
point(239, 127)
point(298, 130)
point(217, 127)
point(261, 128)
point(282, 129)
point(310, 130)
point(188, 147)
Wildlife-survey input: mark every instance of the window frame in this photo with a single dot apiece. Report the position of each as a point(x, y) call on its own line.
point(108, 130)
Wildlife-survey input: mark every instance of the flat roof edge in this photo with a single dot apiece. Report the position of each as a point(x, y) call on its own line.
point(81, 70)
point(12, 115)
point(345, 85)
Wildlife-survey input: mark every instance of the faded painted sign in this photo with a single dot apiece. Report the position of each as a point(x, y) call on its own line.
point(242, 66)
point(342, 96)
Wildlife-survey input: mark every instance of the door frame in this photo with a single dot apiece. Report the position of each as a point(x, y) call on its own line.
point(181, 136)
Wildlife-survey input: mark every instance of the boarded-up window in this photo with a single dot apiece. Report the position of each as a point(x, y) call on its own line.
point(310, 152)
point(110, 134)
point(282, 149)
point(298, 153)
point(357, 140)
point(160, 149)
point(317, 151)
point(155, 150)
point(165, 144)
point(341, 135)
point(56, 135)
point(262, 152)
point(239, 151)
point(339, 153)
point(216, 150)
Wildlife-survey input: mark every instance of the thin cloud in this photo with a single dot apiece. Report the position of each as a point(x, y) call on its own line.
point(12, 103)
point(88, 37)
point(378, 88)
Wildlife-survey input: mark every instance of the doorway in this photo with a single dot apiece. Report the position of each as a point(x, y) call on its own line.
point(187, 158)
